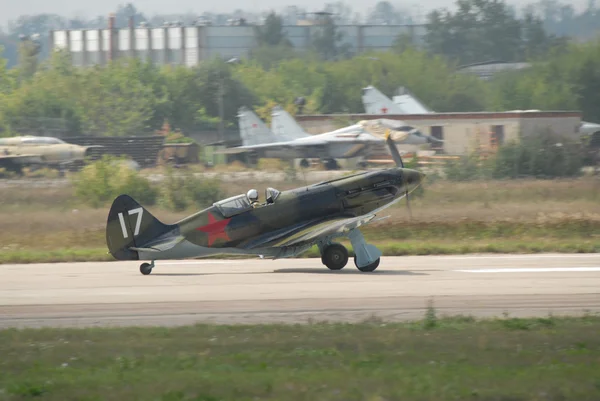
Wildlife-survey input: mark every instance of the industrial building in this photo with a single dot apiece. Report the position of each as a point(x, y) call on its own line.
point(189, 45)
point(465, 132)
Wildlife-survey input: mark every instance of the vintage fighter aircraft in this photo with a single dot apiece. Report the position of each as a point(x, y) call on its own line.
point(287, 224)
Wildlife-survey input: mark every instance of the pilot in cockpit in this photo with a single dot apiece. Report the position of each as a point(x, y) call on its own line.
point(253, 197)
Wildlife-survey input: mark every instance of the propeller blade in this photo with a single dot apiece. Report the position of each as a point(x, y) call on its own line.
point(393, 149)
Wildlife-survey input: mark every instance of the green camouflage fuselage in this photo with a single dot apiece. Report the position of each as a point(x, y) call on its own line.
point(350, 196)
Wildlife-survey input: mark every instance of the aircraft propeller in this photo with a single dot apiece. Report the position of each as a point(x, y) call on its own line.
point(398, 160)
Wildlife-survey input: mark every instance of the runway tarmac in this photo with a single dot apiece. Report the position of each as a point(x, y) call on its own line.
point(295, 290)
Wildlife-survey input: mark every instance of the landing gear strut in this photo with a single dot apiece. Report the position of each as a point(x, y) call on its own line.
point(334, 256)
point(146, 268)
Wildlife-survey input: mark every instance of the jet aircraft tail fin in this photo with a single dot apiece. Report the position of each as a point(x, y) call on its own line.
point(285, 126)
point(376, 102)
point(129, 226)
point(253, 130)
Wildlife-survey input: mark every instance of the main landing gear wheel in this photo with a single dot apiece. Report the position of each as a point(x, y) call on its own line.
point(335, 256)
point(146, 268)
point(368, 268)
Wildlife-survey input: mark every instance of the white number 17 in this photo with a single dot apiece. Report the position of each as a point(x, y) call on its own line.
point(138, 223)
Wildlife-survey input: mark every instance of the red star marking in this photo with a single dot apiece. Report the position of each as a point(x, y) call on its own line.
point(215, 229)
point(384, 110)
point(254, 125)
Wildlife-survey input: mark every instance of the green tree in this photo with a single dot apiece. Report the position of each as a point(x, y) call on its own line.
point(328, 41)
point(210, 78)
point(588, 88)
point(478, 30)
point(115, 104)
point(402, 43)
point(6, 79)
point(271, 33)
point(29, 51)
point(273, 45)
point(271, 56)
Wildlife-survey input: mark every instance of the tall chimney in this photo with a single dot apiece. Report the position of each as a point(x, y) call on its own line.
point(111, 34)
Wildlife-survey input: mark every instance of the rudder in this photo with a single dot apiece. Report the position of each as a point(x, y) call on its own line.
point(130, 225)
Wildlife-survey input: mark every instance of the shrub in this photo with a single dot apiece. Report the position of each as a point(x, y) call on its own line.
point(271, 165)
point(183, 191)
point(539, 156)
point(103, 180)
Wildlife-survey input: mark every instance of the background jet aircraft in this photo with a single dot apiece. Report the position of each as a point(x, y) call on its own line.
point(289, 141)
point(287, 224)
point(20, 151)
point(282, 123)
point(376, 102)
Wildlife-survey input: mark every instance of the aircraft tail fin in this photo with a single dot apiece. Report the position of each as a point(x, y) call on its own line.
point(253, 130)
point(376, 102)
point(285, 126)
point(409, 103)
point(130, 227)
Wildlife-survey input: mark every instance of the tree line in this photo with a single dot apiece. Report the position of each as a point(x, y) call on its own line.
point(132, 97)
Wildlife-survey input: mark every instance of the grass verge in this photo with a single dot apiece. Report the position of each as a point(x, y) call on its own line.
point(433, 359)
point(403, 248)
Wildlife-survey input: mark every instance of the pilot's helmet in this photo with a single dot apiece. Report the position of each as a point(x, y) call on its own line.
point(252, 195)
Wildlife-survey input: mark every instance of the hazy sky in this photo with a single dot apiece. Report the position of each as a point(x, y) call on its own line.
point(11, 9)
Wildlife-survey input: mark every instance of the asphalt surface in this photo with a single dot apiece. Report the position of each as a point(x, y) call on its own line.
point(297, 290)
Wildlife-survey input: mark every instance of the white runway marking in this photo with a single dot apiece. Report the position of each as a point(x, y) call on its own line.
point(529, 256)
point(534, 270)
point(198, 262)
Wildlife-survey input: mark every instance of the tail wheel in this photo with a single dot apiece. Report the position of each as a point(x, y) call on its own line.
point(145, 268)
point(335, 257)
point(368, 268)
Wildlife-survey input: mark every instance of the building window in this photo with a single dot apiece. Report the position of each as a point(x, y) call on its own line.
point(437, 131)
point(498, 131)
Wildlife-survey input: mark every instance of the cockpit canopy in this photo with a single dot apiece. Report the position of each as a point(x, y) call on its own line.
point(41, 140)
point(234, 205)
point(271, 194)
point(240, 203)
point(30, 140)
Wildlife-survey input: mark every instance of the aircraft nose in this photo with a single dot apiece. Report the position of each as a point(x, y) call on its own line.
point(412, 179)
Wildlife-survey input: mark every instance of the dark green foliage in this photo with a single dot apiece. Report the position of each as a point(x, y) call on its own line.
point(180, 191)
point(328, 41)
point(483, 30)
point(542, 155)
point(271, 32)
point(430, 321)
point(102, 181)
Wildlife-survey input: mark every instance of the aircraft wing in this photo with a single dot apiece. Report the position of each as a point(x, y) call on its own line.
point(20, 159)
point(311, 231)
point(304, 143)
